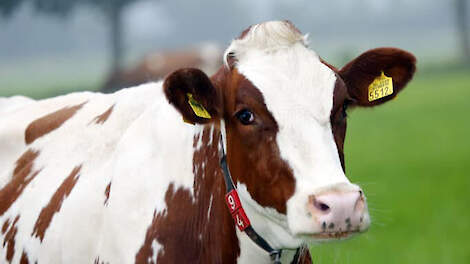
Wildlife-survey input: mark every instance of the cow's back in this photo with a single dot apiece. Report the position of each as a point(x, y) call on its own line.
point(8, 104)
point(63, 163)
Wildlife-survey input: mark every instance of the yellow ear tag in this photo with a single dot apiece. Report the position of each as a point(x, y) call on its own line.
point(382, 86)
point(197, 107)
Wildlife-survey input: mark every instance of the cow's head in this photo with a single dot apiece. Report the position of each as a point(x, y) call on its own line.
point(285, 116)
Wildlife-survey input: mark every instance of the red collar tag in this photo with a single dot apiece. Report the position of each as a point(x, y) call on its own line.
point(236, 210)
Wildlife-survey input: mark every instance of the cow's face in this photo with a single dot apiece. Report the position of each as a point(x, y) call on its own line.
point(285, 120)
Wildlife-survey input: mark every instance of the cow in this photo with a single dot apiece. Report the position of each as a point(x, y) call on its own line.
point(245, 166)
point(156, 65)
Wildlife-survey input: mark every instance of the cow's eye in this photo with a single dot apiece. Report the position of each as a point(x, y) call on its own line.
point(245, 116)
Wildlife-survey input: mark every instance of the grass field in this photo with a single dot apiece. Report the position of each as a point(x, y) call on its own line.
point(412, 157)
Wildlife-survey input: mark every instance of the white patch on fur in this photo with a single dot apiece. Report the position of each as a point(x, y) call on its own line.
point(211, 135)
point(210, 207)
point(250, 252)
point(156, 247)
point(223, 133)
point(199, 131)
point(275, 230)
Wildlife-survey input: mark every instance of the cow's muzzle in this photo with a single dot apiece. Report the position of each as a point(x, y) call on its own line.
point(338, 214)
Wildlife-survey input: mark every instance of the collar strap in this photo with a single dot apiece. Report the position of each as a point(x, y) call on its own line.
point(238, 213)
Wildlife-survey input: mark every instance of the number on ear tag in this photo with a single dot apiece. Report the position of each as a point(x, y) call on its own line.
point(197, 107)
point(382, 86)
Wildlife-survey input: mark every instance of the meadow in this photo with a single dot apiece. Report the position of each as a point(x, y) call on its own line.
point(411, 156)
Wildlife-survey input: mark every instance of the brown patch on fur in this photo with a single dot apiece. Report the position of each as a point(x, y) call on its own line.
point(54, 205)
point(103, 117)
point(49, 122)
point(338, 117)
point(106, 193)
point(9, 239)
point(24, 258)
point(341, 101)
point(22, 176)
point(253, 155)
point(5, 225)
point(206, 236)
point(26, 159)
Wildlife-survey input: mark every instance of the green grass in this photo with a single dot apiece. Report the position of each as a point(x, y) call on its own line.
point(412, 157)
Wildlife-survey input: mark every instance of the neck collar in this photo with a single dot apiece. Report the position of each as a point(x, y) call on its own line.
point(235, 207)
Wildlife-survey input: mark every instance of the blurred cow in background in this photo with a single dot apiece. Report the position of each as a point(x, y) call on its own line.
point(154, 66)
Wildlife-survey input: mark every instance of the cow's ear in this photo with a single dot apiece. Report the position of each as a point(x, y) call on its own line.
point(368, 76)
point(192, 93)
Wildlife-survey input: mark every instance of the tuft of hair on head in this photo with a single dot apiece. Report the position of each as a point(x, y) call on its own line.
point(268, 36)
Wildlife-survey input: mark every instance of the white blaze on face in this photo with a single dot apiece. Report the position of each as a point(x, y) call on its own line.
point(298, 91)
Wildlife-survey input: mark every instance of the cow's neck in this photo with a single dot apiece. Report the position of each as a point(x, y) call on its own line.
point(217, 242)
point(225, 242)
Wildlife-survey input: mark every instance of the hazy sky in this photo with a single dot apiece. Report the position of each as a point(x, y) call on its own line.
point(167, 23)
point(337, 28)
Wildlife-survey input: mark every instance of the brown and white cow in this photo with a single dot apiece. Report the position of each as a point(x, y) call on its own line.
point(120, 178)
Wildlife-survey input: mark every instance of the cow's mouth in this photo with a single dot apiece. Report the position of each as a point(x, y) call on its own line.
point(331, 235)
point(334, 235)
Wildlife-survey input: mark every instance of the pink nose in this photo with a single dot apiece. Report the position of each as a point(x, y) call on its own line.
point(339, 211)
